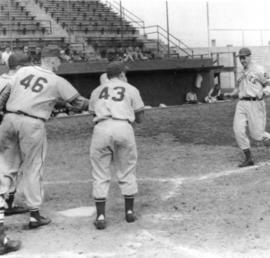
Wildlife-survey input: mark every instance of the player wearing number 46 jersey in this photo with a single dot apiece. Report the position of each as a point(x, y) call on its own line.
point(116, 105)
point(30, 99)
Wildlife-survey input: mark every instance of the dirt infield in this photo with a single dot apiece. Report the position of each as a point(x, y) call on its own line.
point(193, 200)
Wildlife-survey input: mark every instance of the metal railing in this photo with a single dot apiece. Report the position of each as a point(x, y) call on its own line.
point(126, 14)
point(162, 34)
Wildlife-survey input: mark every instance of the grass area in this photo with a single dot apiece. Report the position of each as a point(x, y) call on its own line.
point(209, 124)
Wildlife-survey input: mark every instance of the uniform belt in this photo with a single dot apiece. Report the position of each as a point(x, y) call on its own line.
point(109, 117)
point(251, 98)
point(25, 114)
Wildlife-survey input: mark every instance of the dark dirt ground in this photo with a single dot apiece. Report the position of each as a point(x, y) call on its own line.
point(193, 201)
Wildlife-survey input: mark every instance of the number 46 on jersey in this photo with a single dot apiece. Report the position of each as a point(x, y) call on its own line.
point(35, 84)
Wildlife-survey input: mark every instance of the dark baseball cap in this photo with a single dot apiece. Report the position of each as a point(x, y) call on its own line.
point(244, 52)
point(115, 68)
point(17, 59)
point(50, 51)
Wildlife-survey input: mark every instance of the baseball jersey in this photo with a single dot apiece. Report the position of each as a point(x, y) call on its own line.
point(35, 90)
point(251, 81)
point(115, 99)
point(4, 79)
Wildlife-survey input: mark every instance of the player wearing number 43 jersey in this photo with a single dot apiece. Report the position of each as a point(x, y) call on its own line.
point(116, 105)
point(30, 98)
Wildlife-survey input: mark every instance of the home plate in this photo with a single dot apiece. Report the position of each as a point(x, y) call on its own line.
point(79, 212)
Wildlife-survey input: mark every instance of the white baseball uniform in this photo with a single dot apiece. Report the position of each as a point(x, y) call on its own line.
point(113, 142)
point(33, 94)
point(11, 155)
point(250, 110)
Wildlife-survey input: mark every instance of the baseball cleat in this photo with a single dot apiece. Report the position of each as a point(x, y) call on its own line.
point(38, 222)
point(130, 216)
point(8, 246)
point(15, 210)
point(100, 224)
point(246, 163)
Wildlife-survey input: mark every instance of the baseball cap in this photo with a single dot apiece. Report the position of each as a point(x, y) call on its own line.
point(115, 68)
point(244, 52)
point(50, 51)
point(17, 59)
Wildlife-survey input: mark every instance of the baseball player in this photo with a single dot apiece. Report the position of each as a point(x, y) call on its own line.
point(250, 110)
point(14, 62)
point(30, 98)
point(103, 78)
point(116, 105)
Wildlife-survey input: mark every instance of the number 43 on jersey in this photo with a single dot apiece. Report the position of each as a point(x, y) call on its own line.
point(118, 93)
point(35, 84)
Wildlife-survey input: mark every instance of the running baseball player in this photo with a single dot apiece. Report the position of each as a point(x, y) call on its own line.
point(30, 98)
point(116, 105)
point(250, 110)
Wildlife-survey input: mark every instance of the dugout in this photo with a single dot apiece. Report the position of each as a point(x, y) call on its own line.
point(159, 81)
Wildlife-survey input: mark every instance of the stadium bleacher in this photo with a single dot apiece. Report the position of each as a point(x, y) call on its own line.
point(88, 22)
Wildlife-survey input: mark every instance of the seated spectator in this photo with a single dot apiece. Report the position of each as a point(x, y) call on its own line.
point(139, 54)
point(36, 56)
point(75, 57)
point(214, 94)
point(120, 52)
point(64, 57)
point(191, 97)
point(27, 52)
point(129, 55)
point(110, 53)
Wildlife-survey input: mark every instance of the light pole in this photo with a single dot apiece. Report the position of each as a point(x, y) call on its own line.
point(168, 28)
point(208, 27)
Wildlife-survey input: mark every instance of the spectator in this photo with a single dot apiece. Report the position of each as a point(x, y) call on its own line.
point(36, 57)
point(139, 54)
point(214, 94)
point(6, 54)
point(75, 57)
point(64, 57)
point(129, 54)
point(191, 97)
point(27, 53)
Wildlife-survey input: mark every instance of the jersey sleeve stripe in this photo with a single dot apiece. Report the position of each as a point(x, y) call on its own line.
point(139, 109)
point(73, 97)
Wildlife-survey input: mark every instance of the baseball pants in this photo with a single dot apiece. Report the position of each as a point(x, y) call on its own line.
point(23, 148)
point(251, 115)
point(113, 143)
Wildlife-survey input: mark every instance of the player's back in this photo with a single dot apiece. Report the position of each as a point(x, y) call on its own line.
point(116, 99)
point(34, 91)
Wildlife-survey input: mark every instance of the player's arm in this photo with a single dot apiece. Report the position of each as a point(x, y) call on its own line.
point(139, 116)
point(4, 95)
point(235, 92)
point(79, 103)
point(69, 94)
point(138, 106)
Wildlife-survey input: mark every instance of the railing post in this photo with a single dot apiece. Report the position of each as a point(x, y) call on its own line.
point(217, 58)
point(158, 42)
point(235, 68)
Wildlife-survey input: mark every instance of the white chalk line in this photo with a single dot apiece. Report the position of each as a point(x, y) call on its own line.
point(212, 176)
point(175, 180)
point(165, 243)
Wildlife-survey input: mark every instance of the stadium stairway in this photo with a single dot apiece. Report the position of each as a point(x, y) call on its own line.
point(35, 10)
